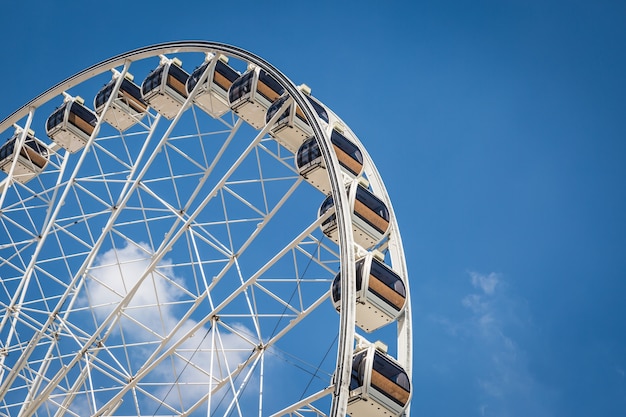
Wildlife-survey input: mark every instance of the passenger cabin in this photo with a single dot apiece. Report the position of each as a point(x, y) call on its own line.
point(164, 89)
point(72, 124)
point(127, 108)
point(310, 163)
point(291, 129)
point(31, 159)
point(379, 386)
point(252, 94)
point(380, 293)
point(370, 217)
point(212, 95)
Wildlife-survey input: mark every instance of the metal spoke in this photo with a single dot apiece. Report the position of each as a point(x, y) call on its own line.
point(177, 265)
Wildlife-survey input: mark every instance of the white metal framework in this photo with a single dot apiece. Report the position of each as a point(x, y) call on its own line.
point(178, 267)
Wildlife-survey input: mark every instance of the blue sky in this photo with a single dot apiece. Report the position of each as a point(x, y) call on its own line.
point(498, 127)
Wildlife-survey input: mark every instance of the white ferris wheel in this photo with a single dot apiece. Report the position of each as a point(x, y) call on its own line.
point(184, 231)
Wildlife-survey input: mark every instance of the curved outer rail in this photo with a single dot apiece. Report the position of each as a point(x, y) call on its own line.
point(342, 206)
point(396, 250)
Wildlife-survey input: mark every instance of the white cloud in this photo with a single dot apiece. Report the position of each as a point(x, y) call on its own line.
point(504, 380)
point(475, 303)
point(152, 307)
point(488, 333)
point(487, 283)
point(116, 271)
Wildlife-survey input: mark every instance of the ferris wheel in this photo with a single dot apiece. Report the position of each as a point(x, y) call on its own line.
point(184, 231)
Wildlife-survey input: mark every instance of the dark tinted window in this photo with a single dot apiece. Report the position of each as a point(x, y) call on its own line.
point(392, 372)
point(372, 202)
point(83, 112)
point(104, 94)
point(36, 145)
point(152, 81)
point(132, 89)
point(271, 111)
point(56, 118)
point(327, 204)
point(309, 151)
point(319, 109)
point(267, 79)
point(359, 273)
point(388, 277)
point(178, 73)
point(226, 70)
point(358, 370)
point(240, 87)
point(345, 145)
point(336, 287)
point(127, 86)
point(195, 77)
point(7, 149)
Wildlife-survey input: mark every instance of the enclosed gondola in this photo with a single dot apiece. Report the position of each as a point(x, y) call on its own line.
point(31, 159)
point(127, 108)
point(164, 89)
point(252, 94)
point(310, 163)
point(72, 124)
point(369, 216)
point(380, 293)
point(291, 129)
point(212, 95)
point(379, 386)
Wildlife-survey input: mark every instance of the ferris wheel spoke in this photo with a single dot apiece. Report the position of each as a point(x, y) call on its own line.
point(27, 352)
point(175, 338)
point(221, 184)
point(251, 309)
point(176, 229)
point(20, 293)
point(173, 261)
point(230, 376)
point(228, 381)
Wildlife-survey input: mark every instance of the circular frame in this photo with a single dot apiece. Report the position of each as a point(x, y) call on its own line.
point(346, 331)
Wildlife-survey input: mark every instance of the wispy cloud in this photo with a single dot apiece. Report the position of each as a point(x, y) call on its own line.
point(489, 331)
point(486, 283)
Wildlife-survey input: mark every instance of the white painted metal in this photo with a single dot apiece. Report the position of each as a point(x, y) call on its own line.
point(211, 218)
point(122, 114)
point(211, 98)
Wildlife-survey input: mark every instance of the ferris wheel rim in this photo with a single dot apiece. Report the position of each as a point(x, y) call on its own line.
point(346, 243)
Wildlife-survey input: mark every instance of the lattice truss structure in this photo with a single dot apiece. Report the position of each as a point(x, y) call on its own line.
point(173, 268)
